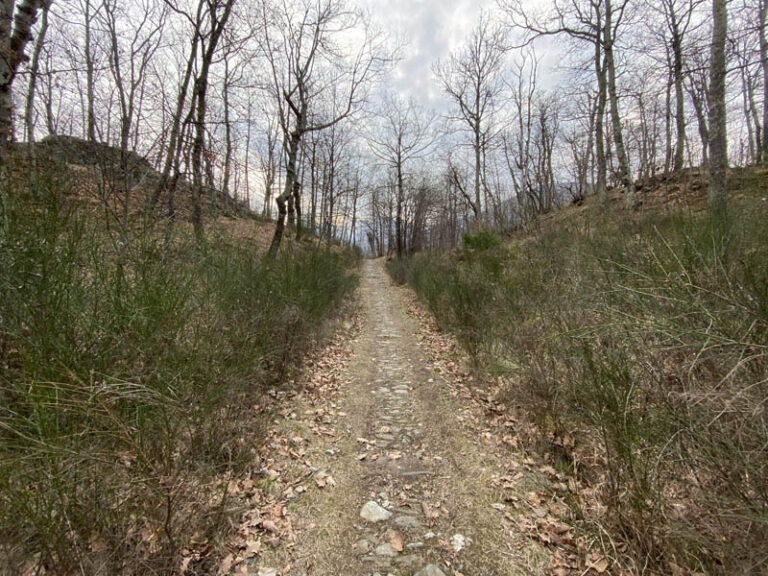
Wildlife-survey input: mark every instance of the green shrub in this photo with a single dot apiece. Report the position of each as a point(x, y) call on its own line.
point(125, 381)
point(646, 339)
point(481, 241)
point(399, 269)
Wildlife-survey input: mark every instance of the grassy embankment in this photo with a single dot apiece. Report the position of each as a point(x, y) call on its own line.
point(126, 377)
point(638, 345)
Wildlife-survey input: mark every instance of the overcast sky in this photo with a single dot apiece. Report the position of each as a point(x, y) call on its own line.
point(432, 29)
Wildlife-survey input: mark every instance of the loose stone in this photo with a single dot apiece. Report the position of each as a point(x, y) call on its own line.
point(375, 513)
point(408, 522)
point(362, 546)
point(386, 550)
point(430, 570)
point(408, 561)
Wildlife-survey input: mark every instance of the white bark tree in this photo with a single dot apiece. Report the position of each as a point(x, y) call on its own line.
point(15, 34)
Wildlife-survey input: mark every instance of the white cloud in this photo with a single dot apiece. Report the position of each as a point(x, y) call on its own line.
point(432, 29)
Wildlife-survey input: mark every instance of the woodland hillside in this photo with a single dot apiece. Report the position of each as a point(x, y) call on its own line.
point(634, 349)
point(199, 373)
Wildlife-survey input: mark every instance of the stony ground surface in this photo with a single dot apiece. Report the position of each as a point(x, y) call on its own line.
point(387, 463)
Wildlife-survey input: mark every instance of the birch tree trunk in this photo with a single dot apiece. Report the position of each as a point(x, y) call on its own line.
point(34, 68)
point(15, 34)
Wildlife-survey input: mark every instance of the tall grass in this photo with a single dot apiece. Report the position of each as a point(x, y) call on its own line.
point(647, 342)
point(126, 378)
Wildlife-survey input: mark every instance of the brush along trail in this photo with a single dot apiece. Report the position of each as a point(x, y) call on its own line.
point(389, 461)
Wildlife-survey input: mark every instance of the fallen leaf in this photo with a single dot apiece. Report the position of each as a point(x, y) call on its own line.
point(252, 549)
point(428, 512)
point(396, 540)
point(226, 565)
point(270, 526)
point(600, 566)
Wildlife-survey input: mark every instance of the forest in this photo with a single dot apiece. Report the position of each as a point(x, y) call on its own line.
point(199, 200)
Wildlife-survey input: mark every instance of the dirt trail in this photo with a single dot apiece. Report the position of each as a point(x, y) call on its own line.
point(412, 490)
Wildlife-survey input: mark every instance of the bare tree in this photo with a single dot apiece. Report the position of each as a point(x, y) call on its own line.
point(697, 85)
point(196, 20)
point(269, 162)
point(128, 64)
point(678, 17)
point(472, 78)
point(34, 70)
point(599, 23)
point(309, 64)
point(89, 14)
point(218, 13)
point(401, 134)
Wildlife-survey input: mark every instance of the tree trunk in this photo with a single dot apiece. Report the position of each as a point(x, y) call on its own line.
point(247, 166)
point(29, 112)
point(752, 144)
point(613, 96)
point(297, 207)
point(197, 154)
point(764, 60)
point(90, 120)
point(181, 99)
point(399, 208)
point(478, 167)
point(718, 138)
point(759, 148)
point(602, 169)
point(15, 34)
point(228, 138)
point(354, 212)
point(201, 92)
point(677, 54)
point(670, 152)
point(290, 176)
point(313, 188)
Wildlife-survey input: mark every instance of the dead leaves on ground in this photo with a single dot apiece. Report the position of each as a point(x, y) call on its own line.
point(284, 470)
point(539, 516)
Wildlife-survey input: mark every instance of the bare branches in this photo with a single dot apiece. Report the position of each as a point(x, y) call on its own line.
point(472, 79)
point(319, 79)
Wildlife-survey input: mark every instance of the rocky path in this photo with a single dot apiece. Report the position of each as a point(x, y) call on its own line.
point(404, 488)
